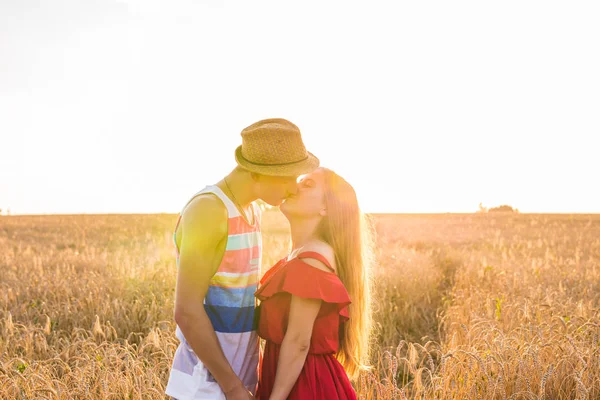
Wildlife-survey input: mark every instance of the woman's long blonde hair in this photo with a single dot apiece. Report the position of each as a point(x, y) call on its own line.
point(347, 230)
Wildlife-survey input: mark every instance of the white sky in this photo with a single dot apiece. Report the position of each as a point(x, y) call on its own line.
point(132, 106)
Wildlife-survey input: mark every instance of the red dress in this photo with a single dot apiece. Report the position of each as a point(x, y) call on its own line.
point(322, 376)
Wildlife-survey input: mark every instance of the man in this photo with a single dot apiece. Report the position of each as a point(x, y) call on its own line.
point(219, 247)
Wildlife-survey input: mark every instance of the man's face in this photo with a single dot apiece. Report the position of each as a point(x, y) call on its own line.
point(273, 190)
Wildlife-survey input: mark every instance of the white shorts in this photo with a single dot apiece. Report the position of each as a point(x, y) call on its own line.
point(198, 386)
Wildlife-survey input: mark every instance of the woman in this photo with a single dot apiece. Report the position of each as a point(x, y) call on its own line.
point(315, 313)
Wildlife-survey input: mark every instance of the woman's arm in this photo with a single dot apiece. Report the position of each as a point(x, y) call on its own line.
point(295, 345)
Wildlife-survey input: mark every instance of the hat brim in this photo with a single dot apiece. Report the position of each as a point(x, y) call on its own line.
point(309, 164)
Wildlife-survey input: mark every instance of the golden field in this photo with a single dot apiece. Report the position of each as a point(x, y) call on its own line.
point(467, 306)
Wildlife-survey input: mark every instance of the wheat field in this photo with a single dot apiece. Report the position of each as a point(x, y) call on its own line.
point(466, 306)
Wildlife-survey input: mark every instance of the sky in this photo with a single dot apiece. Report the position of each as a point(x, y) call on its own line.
point(430, 106)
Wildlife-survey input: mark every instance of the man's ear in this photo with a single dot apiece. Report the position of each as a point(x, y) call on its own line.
point(255, 176)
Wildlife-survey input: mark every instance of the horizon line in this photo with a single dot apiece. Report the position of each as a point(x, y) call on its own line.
point(364, 212)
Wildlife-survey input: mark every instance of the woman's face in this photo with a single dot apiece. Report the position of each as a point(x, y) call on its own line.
point(309, 201)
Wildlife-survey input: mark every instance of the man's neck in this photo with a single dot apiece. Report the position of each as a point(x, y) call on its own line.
point(240, 188)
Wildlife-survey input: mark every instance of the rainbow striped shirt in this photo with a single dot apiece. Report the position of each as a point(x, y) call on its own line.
point(230, 306)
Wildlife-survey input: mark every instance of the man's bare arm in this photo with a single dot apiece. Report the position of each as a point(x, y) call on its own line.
point(204, 227)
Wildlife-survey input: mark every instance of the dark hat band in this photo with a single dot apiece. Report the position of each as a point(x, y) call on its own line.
point(274, 165)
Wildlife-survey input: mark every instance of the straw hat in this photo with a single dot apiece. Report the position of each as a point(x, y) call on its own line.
point(274, 147)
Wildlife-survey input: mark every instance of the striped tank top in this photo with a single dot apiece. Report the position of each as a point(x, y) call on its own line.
point(230, 306)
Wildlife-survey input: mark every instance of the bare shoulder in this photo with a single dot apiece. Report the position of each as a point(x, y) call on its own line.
point(322, 248)
point(205, 213)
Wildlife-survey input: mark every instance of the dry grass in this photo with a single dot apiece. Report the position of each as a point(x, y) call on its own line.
point(466, 306)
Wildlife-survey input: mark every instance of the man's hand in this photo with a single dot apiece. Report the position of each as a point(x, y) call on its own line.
point(239, 393)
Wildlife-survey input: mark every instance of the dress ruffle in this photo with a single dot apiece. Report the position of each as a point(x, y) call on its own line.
point(303, 280)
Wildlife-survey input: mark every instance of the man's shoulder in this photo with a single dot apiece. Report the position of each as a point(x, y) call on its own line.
point(206, 209)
